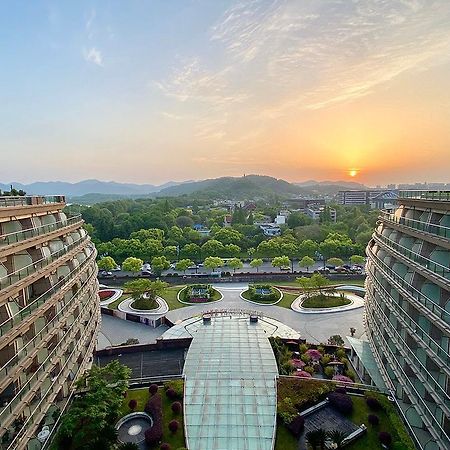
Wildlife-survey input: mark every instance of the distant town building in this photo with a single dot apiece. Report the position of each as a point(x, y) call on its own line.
point(227, 220)
point(316, 212)
point(270, 229)
point(303, 203)
point(366, 197)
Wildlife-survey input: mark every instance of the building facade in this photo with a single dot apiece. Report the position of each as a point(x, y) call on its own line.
point(49, 314)
point(408, 311)
point(375, 198)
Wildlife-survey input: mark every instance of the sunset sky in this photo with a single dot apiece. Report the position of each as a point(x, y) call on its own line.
point(151, 91)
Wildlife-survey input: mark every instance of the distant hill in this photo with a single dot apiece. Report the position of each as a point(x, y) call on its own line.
point(341, 184)
point(87, 187)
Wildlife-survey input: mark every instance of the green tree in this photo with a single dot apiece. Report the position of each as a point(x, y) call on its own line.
point(228, 236)
point(297, 219)
point(132, 264)
point(213, 262)
point(336, 339)
point(212, 248)
point(357, 259)
point(315, 284)
point(152, 233)
point(142, 286)
point(160, 263)
point(151, 248)
point(87, 424)
point(251, 251)
point(106, 263)
point(268, 249)
point(256, 263)
point(184, 264)
point(232, 250)
point(170, 252)
point(191, 251)
point(307, 262)
point(184, 221)
point(235, 263)
point(335, 262)
point(281, 261)
point(307, 248)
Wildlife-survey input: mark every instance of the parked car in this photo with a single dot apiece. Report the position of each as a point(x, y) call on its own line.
point(342, 269)
point(146, 273)
point(285, 269)
point(105, 273)
point(356, 269)
point(116, 269)
point(323, 270)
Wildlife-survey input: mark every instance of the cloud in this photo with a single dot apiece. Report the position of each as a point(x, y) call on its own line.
point(93, 55)
point(90, 23)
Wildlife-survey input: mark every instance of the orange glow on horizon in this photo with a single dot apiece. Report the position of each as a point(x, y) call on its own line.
point(353, 172)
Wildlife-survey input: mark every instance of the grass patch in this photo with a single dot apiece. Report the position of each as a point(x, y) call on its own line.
point(141, 396)
point(248, 296)
point(115, 304)
point(170, 296)
point(285, 440)
point(288, 298)
point(325, 301)
point(216, 295)
point(145, 304)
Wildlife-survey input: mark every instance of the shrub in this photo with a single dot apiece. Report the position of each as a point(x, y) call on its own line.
point(329, 372)
point(165, 446)
point(321, 349)
point(176, 407)
point(153, 389)
point(373, 419)
point(286, 410)
point(341, 402)
point(385, 438)
point(373, 403)
point(132, 404)
point(174, 425)
point(297, 425)
point(177, 386)
point(341, 353)
point(171, 394)
point(303, 348)
point(315, 355)
point(342, 378)
point(309, 369)
point(302, 374)
point(154, 408)
point(325, 360)
point(350, 374)
point(305, 358)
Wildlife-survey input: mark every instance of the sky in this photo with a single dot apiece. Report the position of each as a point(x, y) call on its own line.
point(151, 91)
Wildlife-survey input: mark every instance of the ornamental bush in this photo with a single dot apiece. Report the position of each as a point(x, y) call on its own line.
point(329, 372)
point(171, 394)
point(373, 403)
point(385, 438)
point(342, 378)
point(302, 374)
point(153, 389)
point(297, 425)
point(173, 426)
point(132, 404)
point(177, 386)
point(165, 446)
point(341, 402)
point(176, 407)
point(373, 419)
point(154, 408)
point(314, 354)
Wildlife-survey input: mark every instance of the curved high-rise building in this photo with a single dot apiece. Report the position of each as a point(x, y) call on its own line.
point(408, 311)
point(49, 314)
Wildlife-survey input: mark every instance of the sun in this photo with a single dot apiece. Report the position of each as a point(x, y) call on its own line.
point(353, 172)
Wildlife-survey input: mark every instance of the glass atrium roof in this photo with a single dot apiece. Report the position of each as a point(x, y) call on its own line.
point(230, 393)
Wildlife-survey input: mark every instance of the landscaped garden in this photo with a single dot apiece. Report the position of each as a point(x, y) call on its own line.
point(145, 292)
point(299, 427)
point(262, 293)
point(325, 301)
point(199, 293)
point(99, 417)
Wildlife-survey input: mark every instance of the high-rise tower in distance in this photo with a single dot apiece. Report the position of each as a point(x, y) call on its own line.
point(49, 313)
point(408, 310)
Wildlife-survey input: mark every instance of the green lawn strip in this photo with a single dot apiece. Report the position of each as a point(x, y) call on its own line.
point(170, 296)
point(116, 303)
point(294, 283)
point(141, 396)
point(247, 296)
point(288, 298)
point(285, 440)
point(325, 301)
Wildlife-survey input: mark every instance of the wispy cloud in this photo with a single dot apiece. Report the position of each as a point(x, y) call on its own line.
point(93, 55)
point(89, 25)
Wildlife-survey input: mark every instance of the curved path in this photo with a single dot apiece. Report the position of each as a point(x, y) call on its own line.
point(356, 302)
point(313, 327)
point(126, 307)
point(117, 294)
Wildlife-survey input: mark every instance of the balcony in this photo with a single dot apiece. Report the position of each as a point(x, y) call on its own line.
point(30, 200)
point(425, 195)
point(17, 237)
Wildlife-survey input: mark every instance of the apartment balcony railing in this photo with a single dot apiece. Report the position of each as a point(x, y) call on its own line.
point(425, 263)
point(440, 355)
point(47, 365)
point(22, 235)
point(31, 200)
point(425, 227)
point(54, 388)
point(422, 373)
point(420, 403)
point(418, 296)
point(425, 195)
point(18, 275)
point(47, 331)
point(8, 324)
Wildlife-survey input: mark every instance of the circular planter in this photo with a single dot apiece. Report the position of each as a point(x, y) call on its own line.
point(254, 302)
point(198, 303)
point(355, 303)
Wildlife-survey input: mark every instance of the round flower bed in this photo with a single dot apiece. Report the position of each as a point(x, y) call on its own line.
point(105, 294)
point(199, 293)
point(264, 294)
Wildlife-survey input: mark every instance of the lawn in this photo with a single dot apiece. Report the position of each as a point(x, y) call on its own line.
point(325, 301)
point(293, 283)
point(116, 303)
point(142, 395)
point(288, 298)
point(170, 296)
